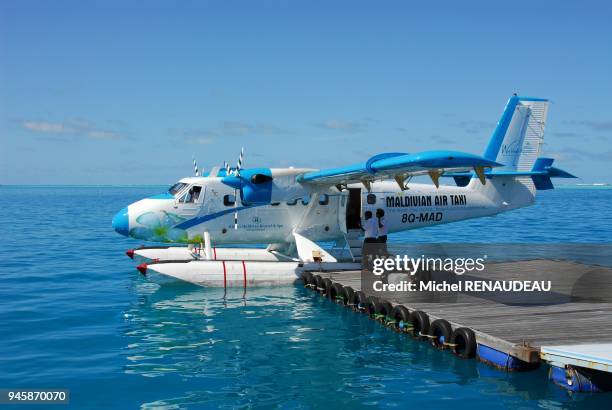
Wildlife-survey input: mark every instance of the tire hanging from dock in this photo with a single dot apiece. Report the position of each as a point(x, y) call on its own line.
point(307, 278)
point(463, 343)
point(384, 312)
point(401, 317)
point(420, 324)
point(327, 284)
point(358, 301)
point(317, 281)
point(372, 306)
point(336, 293)
point(440, 332)
point(348, 293)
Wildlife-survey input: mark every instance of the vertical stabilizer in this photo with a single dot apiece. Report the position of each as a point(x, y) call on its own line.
point(519, 134)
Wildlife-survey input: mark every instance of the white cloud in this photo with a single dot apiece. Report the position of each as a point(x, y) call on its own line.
point(103, 135)
point(72, 126)
point(45, 127)
point(200, 141)
point(341, 125)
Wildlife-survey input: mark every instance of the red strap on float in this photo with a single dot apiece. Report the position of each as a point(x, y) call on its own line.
point(215, 252)
point(224, 275)
point(244, 273)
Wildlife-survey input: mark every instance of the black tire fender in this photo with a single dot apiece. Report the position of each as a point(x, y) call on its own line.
point(384, 310)
point(401, 316)
point(420, 323)
point(463, 343)
point(317, 281)
point(336, 293)
point(440, 332)
point(327, 284)
point(372, 306)
point(307, 279)
point(348, 295)
point(359, 301)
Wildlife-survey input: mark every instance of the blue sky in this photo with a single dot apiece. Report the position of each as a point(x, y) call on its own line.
point(126, 92)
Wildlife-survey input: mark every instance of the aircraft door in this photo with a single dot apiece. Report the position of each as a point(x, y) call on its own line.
point(353, 209)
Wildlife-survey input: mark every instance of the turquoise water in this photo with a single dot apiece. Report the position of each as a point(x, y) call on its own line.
point(76, 314)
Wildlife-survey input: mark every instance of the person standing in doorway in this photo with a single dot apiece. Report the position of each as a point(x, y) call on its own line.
point(382, 231)
point(370, 228)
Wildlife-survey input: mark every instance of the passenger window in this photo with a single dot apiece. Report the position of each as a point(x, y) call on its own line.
point(324, 199)
point(292, 202)
point(371, 199)
point(229, 200)
point(305, 200)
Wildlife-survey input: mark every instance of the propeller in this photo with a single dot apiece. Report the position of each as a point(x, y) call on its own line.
point(237, 174)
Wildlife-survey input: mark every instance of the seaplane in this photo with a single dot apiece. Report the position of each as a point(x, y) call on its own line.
point(300, 219)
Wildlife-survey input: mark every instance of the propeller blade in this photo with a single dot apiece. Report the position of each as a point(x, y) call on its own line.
point(237, 173)
point(240, 158)
point(235, 209)
point(195, 166)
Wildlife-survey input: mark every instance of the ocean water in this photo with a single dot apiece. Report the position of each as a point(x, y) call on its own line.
point(74, 313)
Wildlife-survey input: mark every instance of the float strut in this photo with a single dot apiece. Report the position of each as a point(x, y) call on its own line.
point(207, 246)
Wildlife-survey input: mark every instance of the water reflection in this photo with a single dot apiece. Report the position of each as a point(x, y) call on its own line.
point(287, 346)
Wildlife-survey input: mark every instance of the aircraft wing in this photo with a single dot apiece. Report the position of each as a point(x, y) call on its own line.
point(401, 167)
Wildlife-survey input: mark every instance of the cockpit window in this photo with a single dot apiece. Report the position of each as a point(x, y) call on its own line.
point(192, 195)
point(174, 189)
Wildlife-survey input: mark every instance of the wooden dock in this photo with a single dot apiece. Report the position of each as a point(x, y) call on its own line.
point(519, 331)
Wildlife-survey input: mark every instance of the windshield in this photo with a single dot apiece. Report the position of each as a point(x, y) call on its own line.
point(177, 187)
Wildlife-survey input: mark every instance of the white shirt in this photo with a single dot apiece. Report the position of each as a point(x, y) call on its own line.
point(371, 228)
point(382, 230)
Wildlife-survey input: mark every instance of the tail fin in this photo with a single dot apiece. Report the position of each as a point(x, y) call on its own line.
point(519, 135)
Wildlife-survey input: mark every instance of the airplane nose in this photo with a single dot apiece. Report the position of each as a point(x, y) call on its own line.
point(121, 222)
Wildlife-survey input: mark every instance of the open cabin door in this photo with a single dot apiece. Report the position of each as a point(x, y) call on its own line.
point(353, 223)
point(353, 209)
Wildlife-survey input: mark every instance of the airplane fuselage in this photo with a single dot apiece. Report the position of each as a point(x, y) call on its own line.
point(323, 214)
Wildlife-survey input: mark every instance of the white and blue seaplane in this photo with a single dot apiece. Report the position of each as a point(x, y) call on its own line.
point(295, 210)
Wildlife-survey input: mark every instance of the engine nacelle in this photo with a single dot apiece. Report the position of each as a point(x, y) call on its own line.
point(263, 186)
point(257, 187)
